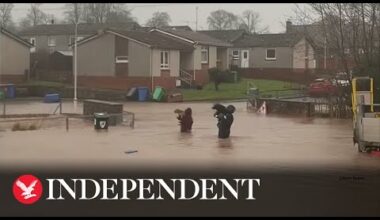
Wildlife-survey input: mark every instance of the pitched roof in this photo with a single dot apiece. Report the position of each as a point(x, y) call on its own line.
point(312, 31)
point(195, 37)
point(225, 35)
point(156, 40)
point(269, 40)
point(65, 53)
point(153, 40)
point(69, 29)
point(15, 37)
point(178, 27)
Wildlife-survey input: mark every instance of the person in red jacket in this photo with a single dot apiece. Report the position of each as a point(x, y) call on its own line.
point(186, 120)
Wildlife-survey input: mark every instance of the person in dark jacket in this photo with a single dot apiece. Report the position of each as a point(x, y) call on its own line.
point(185, 120)
point(225, 119)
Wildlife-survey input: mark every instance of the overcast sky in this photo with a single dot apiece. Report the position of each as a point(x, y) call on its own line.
point(273, 15)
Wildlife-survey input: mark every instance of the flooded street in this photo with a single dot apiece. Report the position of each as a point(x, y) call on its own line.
point(272, 142)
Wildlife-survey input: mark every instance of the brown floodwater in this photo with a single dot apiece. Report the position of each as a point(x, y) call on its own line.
point(271, 141)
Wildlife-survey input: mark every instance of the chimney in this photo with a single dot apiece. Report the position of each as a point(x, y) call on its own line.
point(288, 26)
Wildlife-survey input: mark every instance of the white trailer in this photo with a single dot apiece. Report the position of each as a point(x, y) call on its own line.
point(366, 121)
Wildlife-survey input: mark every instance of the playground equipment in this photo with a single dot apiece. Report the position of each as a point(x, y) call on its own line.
point(366, 120)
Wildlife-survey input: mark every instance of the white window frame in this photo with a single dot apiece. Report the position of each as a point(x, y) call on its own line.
point(49, 42)
point(165, 63)
point(32, 39)
point(33, 49)
point(204, 50)
point(270, 58)
point(235, 57)
point(121, 59)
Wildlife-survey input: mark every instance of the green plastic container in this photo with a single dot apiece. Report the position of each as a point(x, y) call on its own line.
point(158, 94)
point(2, 95)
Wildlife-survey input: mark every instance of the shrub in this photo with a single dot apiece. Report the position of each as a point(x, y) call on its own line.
point(20, 127)
point(225, 76)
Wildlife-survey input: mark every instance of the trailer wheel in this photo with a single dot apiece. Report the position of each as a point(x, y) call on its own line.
point(361, 147)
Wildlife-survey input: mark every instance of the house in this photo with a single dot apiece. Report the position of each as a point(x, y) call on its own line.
point(57, 37)
point(119, 59)
point(208, 52)
point(14, 57)
point(229, 36)
point(274, 52)
point(326, 53)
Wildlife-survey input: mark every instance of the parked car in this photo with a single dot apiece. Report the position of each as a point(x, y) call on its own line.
point(322, 87)
point(342, 78)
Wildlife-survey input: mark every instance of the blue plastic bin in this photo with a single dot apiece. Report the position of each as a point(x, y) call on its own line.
point(51, 98)
point(11, 91)
point(143, 93)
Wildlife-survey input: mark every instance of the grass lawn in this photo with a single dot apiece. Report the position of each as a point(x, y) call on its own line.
point(230, 91)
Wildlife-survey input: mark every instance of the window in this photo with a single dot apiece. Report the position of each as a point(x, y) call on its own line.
point(121, 59)
point(33, 41)
point(51, 41)
point(164, 59)
point(271, 54)
point(204, 54)
point(245, 54)
point(235, 54)
point(346, 50)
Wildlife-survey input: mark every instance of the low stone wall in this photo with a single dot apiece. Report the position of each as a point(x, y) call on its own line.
point(91, 106)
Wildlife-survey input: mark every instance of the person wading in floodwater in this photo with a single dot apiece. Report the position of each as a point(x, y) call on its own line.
point(185, 119)
point(225, 119)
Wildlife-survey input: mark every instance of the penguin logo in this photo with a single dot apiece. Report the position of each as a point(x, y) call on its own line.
point(102, 124)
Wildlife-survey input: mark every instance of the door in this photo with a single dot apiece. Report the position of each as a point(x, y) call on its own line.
point(244, 58)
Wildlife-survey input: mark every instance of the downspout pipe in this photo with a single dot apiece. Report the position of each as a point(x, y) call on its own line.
point(151, 68)
point(195, 48)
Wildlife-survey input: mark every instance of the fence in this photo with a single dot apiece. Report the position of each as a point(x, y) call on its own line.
point(297, 102)
point(55, 119)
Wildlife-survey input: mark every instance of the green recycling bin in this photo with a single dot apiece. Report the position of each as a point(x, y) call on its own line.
point(101, 121)
point(158, 94)
point(2, 95)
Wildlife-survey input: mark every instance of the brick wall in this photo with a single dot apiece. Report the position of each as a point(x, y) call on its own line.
point(12, 79)
point(201, 76)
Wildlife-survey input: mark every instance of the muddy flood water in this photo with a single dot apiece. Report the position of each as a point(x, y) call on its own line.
point(272, 141)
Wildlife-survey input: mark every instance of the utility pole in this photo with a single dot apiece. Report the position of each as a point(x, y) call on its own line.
point(1, 67)
point(196, 18)
point(75, 52)
point(325, 53)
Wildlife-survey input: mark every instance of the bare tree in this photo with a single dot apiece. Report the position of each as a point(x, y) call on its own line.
point(5, 14)
point(119, 13)
point(159, 19)
point(99, 13)
point(250, 21)
point(35, 16)
point(74, 12)
point(222, 20)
